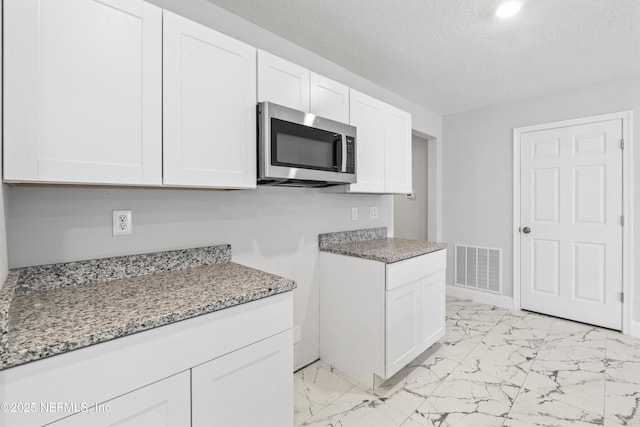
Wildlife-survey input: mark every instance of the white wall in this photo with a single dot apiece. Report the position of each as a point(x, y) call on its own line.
point(478, 184)
point(410, 215)
point(274, 229)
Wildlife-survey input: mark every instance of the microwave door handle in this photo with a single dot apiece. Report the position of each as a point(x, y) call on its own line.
point(343, 166)
point(338, 152)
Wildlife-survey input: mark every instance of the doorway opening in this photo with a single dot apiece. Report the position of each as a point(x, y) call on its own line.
point(411, 211)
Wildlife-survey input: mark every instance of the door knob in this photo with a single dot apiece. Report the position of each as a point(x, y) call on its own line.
point(526, 230)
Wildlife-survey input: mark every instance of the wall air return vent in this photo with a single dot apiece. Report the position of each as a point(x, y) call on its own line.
point(479, 268)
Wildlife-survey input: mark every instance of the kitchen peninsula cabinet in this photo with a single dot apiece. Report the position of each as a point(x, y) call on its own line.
point(375, 315)
point(82, 92)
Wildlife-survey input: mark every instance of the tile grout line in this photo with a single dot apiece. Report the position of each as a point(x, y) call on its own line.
point(527, 375)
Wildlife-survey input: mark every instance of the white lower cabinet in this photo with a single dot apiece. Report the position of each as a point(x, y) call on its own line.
point(231, 368)
point(404, 307)
point(375, 318)
point(252, 386)
point(432, 289)
point(164, 403)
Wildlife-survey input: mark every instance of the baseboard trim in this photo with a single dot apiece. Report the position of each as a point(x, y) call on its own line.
point(635, 329)
point(501, 301)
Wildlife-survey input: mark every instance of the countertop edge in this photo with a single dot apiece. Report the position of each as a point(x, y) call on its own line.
point(11, 359)
point(386, 260)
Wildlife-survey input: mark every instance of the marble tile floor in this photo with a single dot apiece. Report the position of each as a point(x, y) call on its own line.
point(494, 367)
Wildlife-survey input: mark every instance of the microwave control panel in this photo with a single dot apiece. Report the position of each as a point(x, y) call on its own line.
point(351, 155)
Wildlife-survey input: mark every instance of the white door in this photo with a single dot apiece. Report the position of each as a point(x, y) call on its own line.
point(82, 82)
point(166, 403)
point(329, 98)
point(282, 82)
point(250, 387)
point(209, 103)
point(367, 115)
point(571, 206)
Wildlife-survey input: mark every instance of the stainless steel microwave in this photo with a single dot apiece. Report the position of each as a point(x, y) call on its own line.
point(303, 150)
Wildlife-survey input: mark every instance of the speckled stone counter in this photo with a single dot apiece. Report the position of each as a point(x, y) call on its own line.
point(374, 245)
point(46, 319)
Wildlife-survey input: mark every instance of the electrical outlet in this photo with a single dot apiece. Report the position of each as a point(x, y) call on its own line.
point(373, 212)
point(122, 223)
point(354, 214)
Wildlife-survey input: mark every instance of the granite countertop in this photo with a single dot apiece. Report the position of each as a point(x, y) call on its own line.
point(374, 244)
point(78, 306)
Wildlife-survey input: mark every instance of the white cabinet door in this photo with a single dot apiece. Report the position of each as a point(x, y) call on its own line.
point(282, 82)
point(209, 107)
point(367, 114)
point(329, 99)
point(432, 294)
point(165, 403)
point(250, 387)
point(397, 151)
point(82, 82)
point(403, 326)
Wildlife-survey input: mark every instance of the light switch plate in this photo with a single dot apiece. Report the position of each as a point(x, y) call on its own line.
point(354, 214)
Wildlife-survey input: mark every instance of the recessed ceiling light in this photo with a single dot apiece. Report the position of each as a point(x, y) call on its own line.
point(508, 9)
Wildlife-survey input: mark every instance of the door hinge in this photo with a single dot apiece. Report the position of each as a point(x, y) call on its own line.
point(622, 220)
point(622, 144)
point(621, 296)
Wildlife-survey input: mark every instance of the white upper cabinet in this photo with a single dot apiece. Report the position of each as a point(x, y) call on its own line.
point(209, 104)
point(383, 146)
point(329, 98)
point(397, 151)
point(367, 115)
point(82, 91)
point(282, 82)
point(285, 83)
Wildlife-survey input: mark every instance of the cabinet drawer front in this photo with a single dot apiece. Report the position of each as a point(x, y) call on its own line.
point(413, 269)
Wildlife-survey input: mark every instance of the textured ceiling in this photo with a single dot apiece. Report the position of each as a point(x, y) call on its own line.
point(455, 55)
